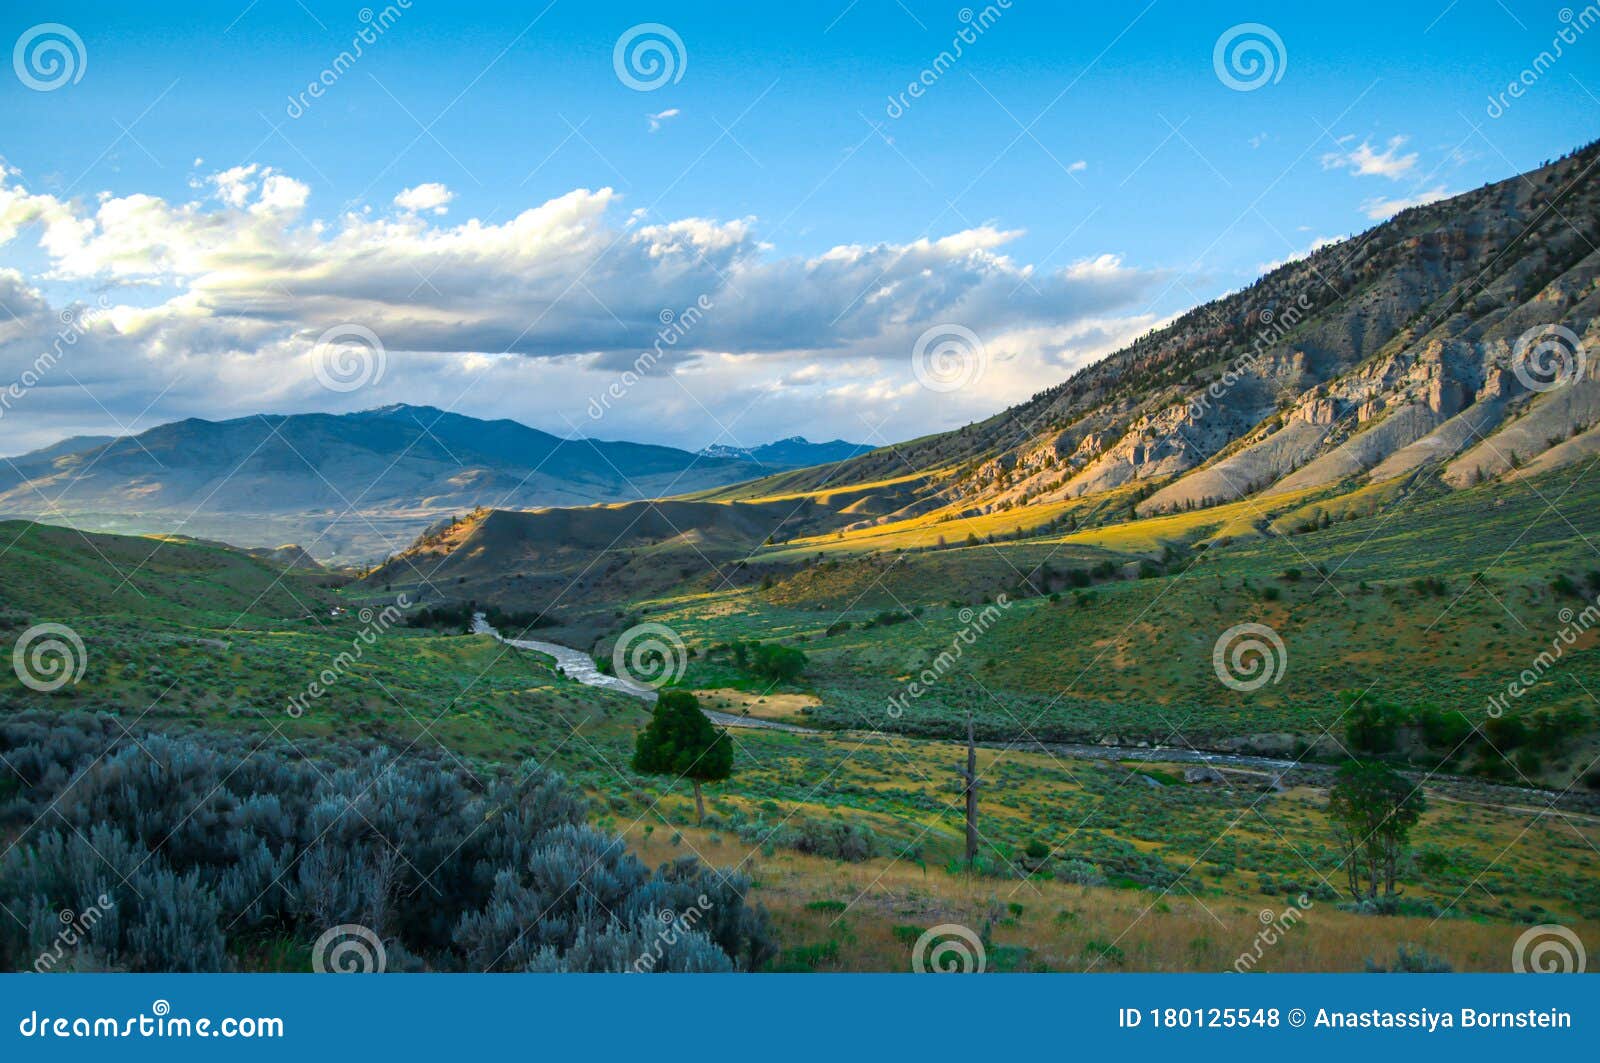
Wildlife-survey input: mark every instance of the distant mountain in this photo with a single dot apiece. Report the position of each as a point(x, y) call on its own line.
point(350, 486)
point(70, 445)
point(796, 452)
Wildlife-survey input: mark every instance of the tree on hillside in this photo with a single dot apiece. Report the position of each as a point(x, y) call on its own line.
point(1372, 725)
point(679, 741)
point(778, 662)
point(1375, 808)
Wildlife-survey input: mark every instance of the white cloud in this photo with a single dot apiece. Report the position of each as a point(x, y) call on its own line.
point(221, 299)
point(1366, 161)
point(1305, 252)
point(1380, 208)
point(1078, 167)
point(431, 197)
point(661, 116)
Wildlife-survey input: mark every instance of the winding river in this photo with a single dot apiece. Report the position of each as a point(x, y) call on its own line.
point(575, 664)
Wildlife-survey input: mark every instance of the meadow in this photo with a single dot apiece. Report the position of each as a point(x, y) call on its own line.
point(851, 837)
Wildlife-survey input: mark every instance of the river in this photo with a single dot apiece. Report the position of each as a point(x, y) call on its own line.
point(575, 664)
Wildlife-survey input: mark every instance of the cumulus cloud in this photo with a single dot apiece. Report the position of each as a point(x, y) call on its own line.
point(217, 303)
point(431, 197)
point(1366, 161)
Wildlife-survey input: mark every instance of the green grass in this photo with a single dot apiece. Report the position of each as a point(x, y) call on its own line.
point(212, 639)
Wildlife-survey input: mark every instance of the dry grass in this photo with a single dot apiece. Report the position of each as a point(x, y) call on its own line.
point(1062, 927)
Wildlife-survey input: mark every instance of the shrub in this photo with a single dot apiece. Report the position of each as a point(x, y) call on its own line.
point(1412, 959)
point(213, 851)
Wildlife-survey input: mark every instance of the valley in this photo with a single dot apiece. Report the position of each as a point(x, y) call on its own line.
point(1342, 521)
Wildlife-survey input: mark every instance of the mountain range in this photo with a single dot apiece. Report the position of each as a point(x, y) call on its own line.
point(1449, 345)
point(349, 486)
point(1446, 348)
point(796, 452)
point(1458, 340)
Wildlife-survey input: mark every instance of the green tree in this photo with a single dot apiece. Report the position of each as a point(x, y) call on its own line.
point(1372, 724)
point(778, 662)
point(1375, 809)
point(679, 741)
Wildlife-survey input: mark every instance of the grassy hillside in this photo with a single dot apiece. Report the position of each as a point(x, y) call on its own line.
point(849, 837)
point(51, 571)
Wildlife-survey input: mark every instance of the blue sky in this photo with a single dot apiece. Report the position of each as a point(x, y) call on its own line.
point(1094, 145)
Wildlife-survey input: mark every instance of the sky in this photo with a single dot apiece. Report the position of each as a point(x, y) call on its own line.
point(701, 224)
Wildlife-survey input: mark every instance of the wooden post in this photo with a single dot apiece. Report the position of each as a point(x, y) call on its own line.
point(969, 776)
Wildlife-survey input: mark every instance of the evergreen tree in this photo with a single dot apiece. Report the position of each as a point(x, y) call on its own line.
point(680, 741)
